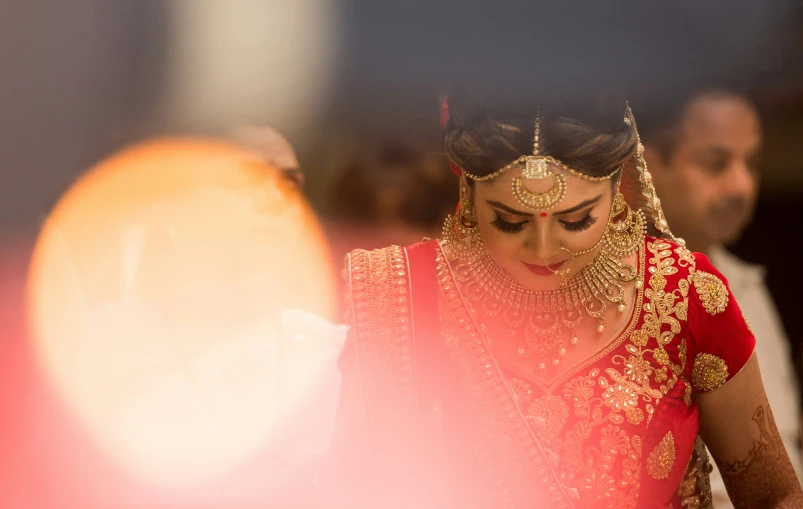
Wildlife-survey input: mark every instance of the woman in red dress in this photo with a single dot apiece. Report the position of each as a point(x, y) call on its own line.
point(547, 351)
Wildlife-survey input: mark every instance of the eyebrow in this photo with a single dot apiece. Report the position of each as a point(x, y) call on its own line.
point(515, 212)
point(579, 206)
point(716, 150)
point(720, 151)
point(507, 209)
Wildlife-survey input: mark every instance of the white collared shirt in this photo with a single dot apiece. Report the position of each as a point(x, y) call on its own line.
point(772, 348)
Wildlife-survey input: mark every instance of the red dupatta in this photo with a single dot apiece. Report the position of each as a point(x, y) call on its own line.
point(411, 348)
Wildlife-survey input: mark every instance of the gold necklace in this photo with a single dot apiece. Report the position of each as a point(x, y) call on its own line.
point(539, 319)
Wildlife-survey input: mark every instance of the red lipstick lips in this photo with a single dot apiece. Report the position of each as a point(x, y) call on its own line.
point(544, 270)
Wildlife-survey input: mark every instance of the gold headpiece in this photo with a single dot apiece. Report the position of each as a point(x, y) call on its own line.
point(536, 167)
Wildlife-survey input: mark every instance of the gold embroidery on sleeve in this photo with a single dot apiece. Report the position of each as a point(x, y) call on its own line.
point(662, 458)
point(709, 373)
point(746, 322)
point(712, 291)
point(663, 313)
point(686, 257)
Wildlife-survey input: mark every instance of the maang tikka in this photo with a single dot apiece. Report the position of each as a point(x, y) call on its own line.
point(537, 167)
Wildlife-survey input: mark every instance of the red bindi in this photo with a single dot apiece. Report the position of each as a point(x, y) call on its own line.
point(544, 214)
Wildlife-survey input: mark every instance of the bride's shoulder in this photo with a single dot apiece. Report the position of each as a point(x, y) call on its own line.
point(389, 263)
point(670, 261)
point(375, 278)
point(375, 265)
point(662, 253)
point(379, 280)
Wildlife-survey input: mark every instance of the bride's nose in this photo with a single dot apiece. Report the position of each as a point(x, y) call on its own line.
point(542, 242)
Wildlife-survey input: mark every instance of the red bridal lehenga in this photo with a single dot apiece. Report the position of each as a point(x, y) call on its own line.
point(435, 420)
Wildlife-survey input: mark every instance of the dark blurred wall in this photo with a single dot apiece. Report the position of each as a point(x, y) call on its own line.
point(772, 240)
point(398, 53)
point(77, 78)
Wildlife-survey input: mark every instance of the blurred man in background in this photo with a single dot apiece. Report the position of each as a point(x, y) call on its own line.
point(703, 154)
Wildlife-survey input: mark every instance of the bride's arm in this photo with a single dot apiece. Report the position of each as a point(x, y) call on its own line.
point(737, 425)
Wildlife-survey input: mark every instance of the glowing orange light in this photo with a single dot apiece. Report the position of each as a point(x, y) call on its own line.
point(160, 291)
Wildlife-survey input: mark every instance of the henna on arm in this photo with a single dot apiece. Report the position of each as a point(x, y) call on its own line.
point(753, 480)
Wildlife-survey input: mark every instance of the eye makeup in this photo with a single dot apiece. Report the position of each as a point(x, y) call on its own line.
point(583, 224)
point(507, 227)
point(573, 226)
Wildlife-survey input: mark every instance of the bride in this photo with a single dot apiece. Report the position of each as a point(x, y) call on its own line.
point(558, 347)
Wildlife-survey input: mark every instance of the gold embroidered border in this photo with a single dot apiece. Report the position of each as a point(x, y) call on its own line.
point(513, 459)
point(380, 307)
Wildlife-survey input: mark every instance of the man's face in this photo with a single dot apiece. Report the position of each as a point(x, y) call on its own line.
point(708, 185)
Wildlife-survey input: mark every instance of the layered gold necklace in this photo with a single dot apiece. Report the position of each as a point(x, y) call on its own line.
point(543, 321)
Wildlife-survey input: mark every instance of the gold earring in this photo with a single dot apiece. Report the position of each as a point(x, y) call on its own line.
point(460, 233)
point(625, 236)
point(468, 214)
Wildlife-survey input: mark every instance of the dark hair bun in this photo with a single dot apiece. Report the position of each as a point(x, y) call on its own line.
point(487, 130)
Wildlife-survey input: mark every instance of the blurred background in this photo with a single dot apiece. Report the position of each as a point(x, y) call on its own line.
point(354, 85)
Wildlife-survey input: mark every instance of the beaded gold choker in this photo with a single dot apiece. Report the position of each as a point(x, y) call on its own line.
point(542, 321)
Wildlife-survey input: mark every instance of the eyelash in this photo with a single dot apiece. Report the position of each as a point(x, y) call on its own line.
point(504, 226)
point(572, 226)
point(583, 224)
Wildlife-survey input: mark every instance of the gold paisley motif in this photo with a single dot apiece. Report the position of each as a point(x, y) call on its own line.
point(712, 291)
point(662, 458)
point(709, 373)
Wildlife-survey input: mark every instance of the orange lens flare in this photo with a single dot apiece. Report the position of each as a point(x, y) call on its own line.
point(160, 293)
